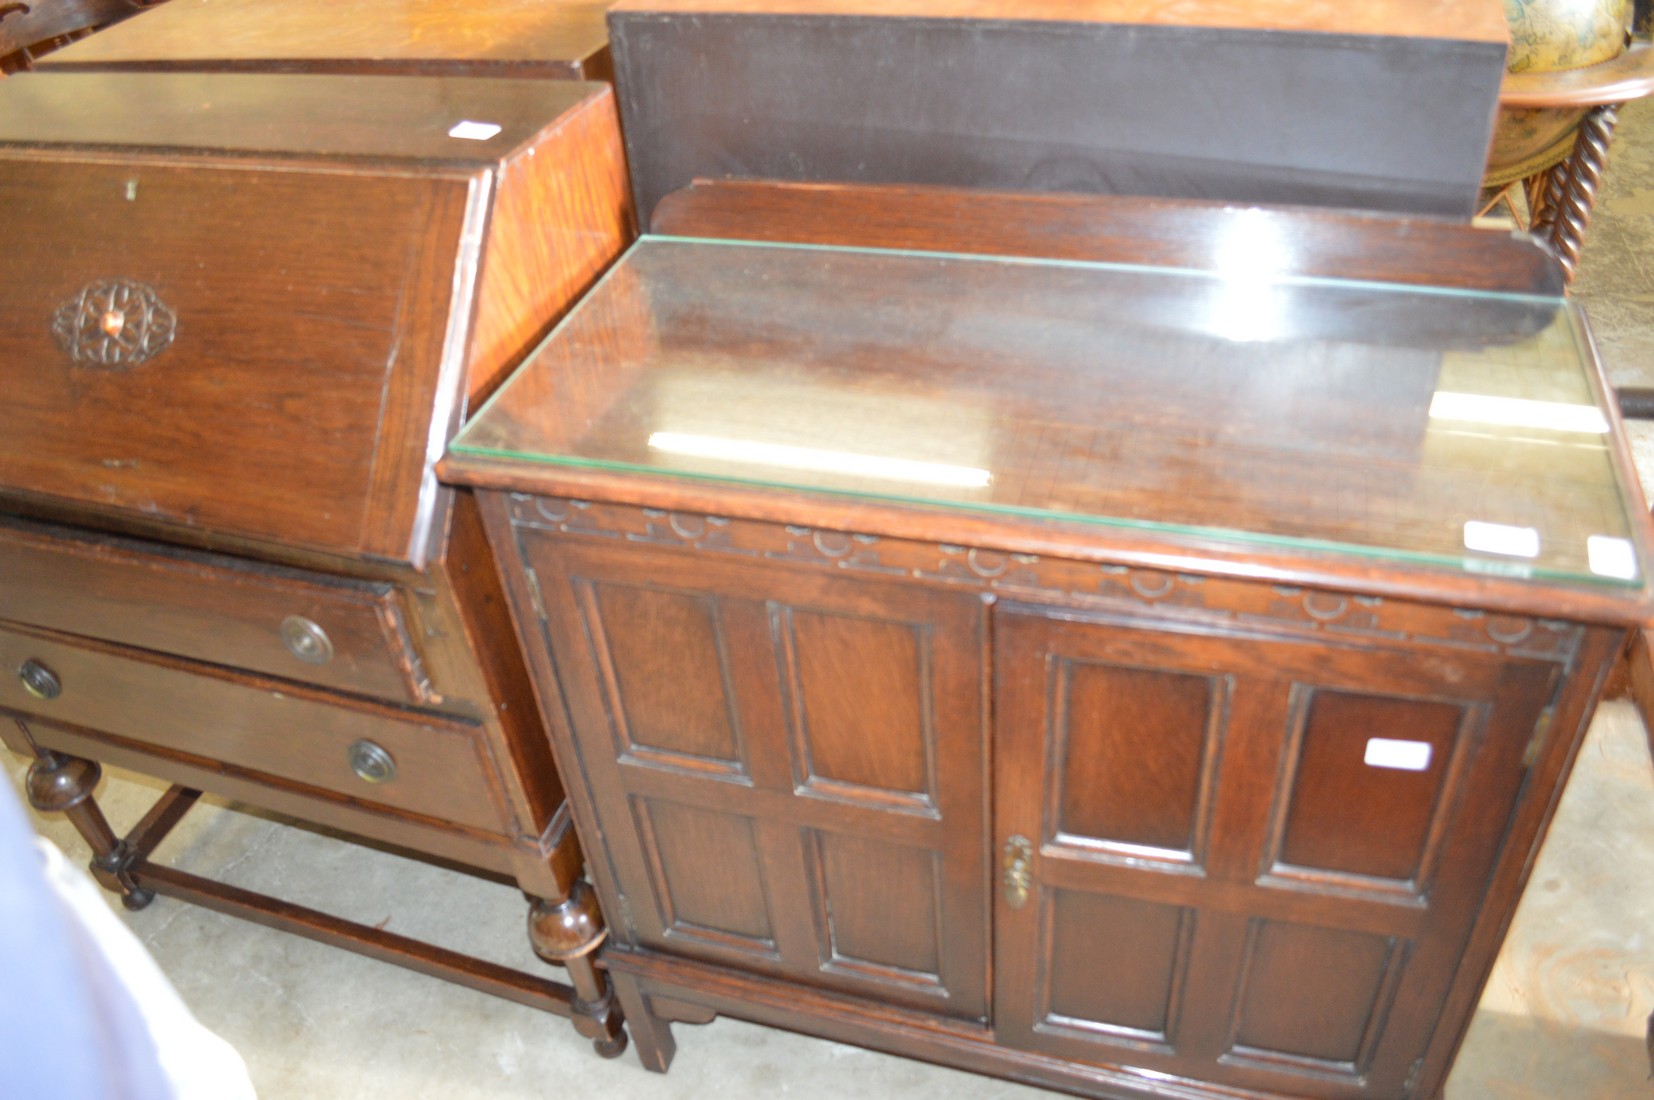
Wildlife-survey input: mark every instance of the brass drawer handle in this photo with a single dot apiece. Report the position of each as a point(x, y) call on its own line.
point(306, 640)
point(371, 763)
point(114, 324)
point(1018, 858)
point(39, 681)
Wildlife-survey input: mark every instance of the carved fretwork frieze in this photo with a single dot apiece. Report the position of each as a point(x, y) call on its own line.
point(1030, 576)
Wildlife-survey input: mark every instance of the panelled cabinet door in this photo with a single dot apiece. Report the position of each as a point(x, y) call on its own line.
point(787, 767)
point(1247, 858)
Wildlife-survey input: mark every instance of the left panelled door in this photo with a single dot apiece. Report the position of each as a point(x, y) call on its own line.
point(787, 765)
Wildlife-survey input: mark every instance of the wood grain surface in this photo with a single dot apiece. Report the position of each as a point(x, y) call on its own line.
point(390, 118)
point(208, 607)
point(1626, 77)
point(562, 213)
point(1132, 229)
point(557, 38)
point(260, 728)
point(33, 30)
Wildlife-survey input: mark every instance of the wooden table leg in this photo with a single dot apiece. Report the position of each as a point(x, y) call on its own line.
point(568, 933)
point(652, 1033)
point(63, 784)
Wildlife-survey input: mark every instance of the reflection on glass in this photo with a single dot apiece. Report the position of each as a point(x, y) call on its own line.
point(1501, 538)
point(814, 458)
point(1352, 417)
point(1612, 557)
point(1244, 306)
point(1517, 412)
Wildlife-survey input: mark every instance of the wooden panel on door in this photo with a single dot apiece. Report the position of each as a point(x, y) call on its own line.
point(1115, 797)
point(1366, 781)
point(1135, 955)
point(803, 757)
point(706, 874)
point(879, 905)
point(857, 715)
point(667, 678)
point(1313, 999)
point(1251, 856)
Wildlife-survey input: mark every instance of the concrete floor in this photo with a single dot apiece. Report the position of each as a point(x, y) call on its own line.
point(1562, 1017)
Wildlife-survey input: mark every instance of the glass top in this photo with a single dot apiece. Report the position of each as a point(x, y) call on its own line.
point(1435, 426)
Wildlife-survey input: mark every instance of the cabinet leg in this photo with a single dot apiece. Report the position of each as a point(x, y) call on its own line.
point(64, 784)
point(569, 933)
point(651, 1033)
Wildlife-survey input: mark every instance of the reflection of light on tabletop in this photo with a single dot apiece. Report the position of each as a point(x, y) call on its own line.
point(814, 458)
point(1518, 412)
point(1612, 557)
point(1250, 252)
point(1501, 538)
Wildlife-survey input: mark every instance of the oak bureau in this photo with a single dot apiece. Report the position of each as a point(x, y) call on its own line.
point(1130, 646)
point(240, 317)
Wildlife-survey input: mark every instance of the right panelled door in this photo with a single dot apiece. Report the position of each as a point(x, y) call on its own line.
point(1243, 856)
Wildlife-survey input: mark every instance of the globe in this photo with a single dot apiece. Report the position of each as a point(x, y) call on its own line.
point(1545, 36)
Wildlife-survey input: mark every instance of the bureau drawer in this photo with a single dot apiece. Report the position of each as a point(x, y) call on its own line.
point(338, 633)
point(437, 769)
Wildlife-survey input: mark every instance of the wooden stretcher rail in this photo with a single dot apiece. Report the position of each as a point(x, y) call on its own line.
point(416, 955)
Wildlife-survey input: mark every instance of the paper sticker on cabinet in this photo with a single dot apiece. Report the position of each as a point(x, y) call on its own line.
point(474, 131)
point(1611, 557)
point(1501, 538)
point(1407, 756)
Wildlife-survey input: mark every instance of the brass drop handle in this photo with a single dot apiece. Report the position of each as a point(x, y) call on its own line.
point(371, 763)
point(39, 681)
point(1018, 859)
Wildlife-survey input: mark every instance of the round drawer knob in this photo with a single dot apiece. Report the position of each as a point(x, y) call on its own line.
point(306, 640)
point(371, 762)
point(39, 681)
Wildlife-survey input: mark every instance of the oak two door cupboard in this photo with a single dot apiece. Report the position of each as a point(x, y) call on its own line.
point(962, 656)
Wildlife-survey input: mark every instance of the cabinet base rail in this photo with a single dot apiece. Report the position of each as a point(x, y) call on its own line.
point(657, 990)
point(121, 864)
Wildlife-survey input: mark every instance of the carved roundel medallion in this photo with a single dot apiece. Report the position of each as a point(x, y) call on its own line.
point(114, 323)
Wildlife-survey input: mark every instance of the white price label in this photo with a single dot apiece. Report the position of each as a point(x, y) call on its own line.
point(1612, 557)
point(1407, 756)
point(1501, 538)
point(474, 131)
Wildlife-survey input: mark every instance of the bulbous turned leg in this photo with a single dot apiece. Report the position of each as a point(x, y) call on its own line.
point(63, 784)
point(569, 933)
